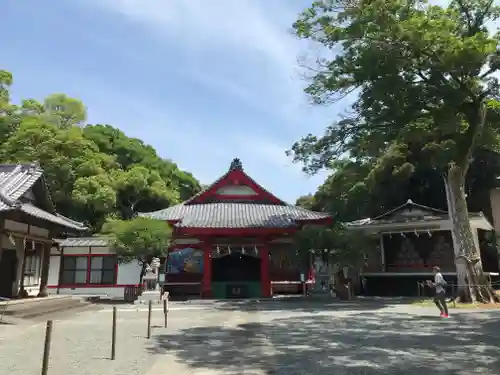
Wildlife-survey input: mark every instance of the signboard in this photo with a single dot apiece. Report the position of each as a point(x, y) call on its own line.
point(302, 277)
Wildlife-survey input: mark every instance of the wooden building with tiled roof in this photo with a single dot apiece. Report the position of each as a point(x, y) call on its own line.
point(234, 239)
point(28, 224)
point(414, 238)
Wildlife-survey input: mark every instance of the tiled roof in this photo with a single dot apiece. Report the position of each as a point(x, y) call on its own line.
point(235, 215)
point(15, 181)
point(408, 220)
point(408, 213)
point(83, 242)
point(410, 205)
point(63, 221)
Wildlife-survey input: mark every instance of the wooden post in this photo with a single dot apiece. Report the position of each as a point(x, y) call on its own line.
point(150, 308)
point(45, 270)
point(113, 336)
point(46, 347)
point(165, 311)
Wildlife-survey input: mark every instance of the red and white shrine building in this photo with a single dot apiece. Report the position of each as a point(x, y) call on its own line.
point(233, 239)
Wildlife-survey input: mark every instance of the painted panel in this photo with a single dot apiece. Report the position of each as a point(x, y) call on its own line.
point(187, 260)
point(235, 190)
point(419, 252)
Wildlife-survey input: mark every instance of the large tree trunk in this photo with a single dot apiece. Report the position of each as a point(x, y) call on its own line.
point(473, 285)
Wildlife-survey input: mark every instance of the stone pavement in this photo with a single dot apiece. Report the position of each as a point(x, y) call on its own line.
point(277, 338)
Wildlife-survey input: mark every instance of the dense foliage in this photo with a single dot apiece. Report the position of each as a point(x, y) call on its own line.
point(139, 239)
point(94, 171)
point(426, 89)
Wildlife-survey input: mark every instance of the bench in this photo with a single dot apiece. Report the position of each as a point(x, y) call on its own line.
point(4, 306)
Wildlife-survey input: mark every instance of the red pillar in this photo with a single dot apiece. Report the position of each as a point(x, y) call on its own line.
point(206, 283)
point(264, 271)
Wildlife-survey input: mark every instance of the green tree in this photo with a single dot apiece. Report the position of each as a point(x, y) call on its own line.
point(139, 239)
point(131, 151)
point(142, 189)
point(95, 171)
point(338, 247)
point(9, 118)
point(64, 111)
point(63, 153)
point(424, 75)
point(306, 201)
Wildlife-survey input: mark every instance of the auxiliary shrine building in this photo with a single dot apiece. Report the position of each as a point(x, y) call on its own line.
point(234, 239)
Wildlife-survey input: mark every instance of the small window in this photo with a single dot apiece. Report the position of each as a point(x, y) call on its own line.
point(103, 270)
point(74, 270)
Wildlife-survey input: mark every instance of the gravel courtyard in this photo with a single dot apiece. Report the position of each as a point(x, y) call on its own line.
point(275, 337)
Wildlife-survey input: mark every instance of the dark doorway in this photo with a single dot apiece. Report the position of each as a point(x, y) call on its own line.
point(236, 275)
point(8, 271)
point(235, 267)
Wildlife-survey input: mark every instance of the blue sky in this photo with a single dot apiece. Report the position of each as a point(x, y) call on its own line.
point(201, 81)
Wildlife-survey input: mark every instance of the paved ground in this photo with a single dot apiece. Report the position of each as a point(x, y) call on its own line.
point(285, 337)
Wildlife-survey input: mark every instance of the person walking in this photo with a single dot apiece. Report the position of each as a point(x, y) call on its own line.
point(439, 285)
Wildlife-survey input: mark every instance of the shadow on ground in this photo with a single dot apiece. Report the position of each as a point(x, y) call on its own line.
point(298, 304)
point(368, 342)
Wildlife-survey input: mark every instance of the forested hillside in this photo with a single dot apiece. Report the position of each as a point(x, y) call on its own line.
point(94, 171)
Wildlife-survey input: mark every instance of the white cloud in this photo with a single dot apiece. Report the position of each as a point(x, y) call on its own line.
point(256, 52)
point(241, 48)
point(241, 24)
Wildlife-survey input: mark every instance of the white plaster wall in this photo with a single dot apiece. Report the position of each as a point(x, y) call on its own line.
point(101, 250)
point(75, 250)
point(54, 266)
point(129, 273)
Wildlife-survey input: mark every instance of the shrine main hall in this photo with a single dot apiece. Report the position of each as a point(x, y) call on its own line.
point(235, 240)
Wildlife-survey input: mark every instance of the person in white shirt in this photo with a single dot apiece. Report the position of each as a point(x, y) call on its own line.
point(440, 292)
